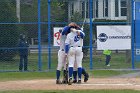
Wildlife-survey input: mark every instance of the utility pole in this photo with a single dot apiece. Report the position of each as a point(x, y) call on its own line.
point(128, 52)
point(18, 10)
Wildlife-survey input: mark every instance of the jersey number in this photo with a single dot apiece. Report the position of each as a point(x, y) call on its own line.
point(76, 38)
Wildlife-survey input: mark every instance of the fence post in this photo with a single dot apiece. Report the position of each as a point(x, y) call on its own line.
point(39, 39)
point(49, 36)
point(132, 35)
point(91, 34)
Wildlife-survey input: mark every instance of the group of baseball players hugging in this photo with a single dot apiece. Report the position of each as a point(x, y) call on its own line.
point(71, 43)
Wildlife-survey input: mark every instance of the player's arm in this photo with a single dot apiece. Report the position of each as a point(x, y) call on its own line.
point(66, 48)
point(67, 43)
point(79, 32)
point(66, 30)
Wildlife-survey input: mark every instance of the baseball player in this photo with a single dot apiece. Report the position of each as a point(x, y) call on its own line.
point(73, 48)
point(61, 56)
point(62, 59)
point(86, 76)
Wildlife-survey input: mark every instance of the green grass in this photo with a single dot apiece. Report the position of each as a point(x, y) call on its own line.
point(52, 75)
point(118, 61)
point(72, 91)
point(26, 75)
point(108, 73)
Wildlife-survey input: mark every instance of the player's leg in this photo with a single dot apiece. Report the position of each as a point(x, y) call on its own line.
point(65, 76)
point(71, 58)
point(86, 75)
point(79, 57)
point(65, 70)
point(75, 73)
point(59, 67)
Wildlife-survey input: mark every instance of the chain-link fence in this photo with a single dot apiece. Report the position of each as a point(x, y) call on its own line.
point(27, 32)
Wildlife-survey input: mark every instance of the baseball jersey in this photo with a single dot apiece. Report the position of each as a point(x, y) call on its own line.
point(74, 40)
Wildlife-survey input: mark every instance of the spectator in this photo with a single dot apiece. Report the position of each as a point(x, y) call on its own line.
point(107, 53)
point(23, 52)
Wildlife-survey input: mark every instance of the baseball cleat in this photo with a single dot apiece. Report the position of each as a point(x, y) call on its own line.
point(64, 82)
point(58, 82)
point(86, 77)
point(79, 82)
point(74, 81)
point(70, 81)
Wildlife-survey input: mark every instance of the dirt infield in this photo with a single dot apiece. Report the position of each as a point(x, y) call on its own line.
point(93, 83)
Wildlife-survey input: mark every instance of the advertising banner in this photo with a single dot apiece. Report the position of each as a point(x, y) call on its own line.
point(56, 36)
point(116, 37)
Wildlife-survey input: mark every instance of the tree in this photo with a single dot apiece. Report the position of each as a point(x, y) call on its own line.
point(30, 14)
point(8, 32)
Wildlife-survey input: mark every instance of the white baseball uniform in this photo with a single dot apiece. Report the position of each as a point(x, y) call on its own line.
point(61, 53)
point(75, 53)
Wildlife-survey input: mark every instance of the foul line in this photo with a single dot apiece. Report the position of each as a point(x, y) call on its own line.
point(102, 84)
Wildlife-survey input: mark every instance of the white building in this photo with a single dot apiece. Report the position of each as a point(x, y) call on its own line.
point(102, 9)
